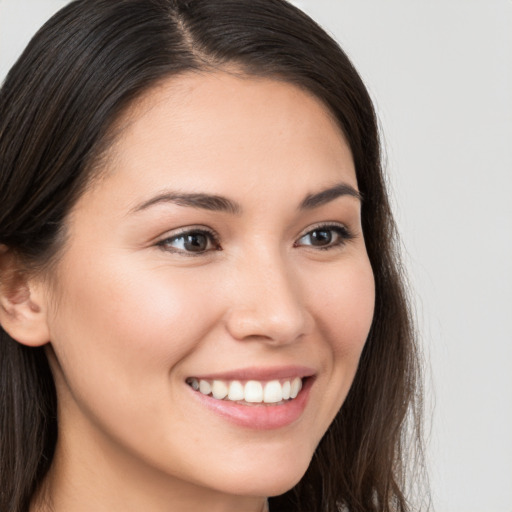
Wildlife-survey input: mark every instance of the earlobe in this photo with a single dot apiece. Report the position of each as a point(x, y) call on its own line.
point(22, 303)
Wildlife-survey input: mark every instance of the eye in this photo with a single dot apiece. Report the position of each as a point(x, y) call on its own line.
point(325, 237)
point(191, 242)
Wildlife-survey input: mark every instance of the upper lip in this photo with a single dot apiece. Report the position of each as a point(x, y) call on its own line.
point(260, 373)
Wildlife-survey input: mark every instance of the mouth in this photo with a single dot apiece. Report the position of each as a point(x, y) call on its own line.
point(250, 392)
point(257, 399)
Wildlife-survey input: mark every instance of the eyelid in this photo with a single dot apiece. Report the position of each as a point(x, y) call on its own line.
point(172, 233)
point(342, 230)
point(161, 243)
point(325, 225)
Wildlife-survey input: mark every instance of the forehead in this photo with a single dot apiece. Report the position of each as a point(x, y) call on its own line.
point(221, 132)
point(225, 104)
point(211, 91)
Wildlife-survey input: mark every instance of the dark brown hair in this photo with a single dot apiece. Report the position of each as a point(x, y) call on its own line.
point(57, 105)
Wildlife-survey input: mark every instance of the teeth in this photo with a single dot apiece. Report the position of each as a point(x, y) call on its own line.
point(253, 391)
point(219, 390)
point(286, 390)
point(236, 391)
point(205, 387)
point(296, 387)
point(271, 392)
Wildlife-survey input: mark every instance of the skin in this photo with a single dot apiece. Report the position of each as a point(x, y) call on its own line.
point(130, 320)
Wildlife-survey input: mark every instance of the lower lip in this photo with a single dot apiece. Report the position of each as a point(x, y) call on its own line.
point(259, 416)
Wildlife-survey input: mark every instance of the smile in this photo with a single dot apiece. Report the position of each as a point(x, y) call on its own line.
point(274, 392)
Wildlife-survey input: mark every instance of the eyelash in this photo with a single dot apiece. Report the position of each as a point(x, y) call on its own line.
point(211, 236)
point(342, 233)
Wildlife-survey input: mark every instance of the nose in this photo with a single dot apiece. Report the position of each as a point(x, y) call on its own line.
point(267, 303)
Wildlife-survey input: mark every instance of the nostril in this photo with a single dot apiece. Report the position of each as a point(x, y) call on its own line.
point(269, 325)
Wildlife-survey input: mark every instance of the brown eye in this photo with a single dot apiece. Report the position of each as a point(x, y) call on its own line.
point(195, 242)
point(325, 237)
point(321, 237)
point(191, 242)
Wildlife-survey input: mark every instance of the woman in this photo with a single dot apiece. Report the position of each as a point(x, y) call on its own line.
point(201, 305)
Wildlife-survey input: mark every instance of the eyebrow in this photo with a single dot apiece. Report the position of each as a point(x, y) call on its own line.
point(326, 196)
point(193, 200)
point(223, 204)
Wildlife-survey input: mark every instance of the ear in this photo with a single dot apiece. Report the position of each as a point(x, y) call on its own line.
point(22, 302)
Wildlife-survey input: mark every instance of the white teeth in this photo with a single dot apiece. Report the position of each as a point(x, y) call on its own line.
point(236, 391)
point(273, 392)
point(286, 390)
point(205, 387)
point(295, 387)
point(253, 391)
point(219, 389)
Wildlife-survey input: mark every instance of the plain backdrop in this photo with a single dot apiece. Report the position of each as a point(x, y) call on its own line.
point(440, 72)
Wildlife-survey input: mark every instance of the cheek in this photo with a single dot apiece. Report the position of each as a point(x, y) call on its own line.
point(127, 325)
point(344, 308)
point(344, 313)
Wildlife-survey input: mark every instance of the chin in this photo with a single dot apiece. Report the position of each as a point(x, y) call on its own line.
point(272, 480)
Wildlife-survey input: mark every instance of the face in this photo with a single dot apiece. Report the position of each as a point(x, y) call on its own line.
point(221, 249)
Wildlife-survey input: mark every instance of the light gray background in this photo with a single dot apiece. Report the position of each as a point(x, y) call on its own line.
point(441, 75)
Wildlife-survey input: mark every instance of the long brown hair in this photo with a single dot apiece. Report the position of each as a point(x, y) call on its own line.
point(57, 105)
